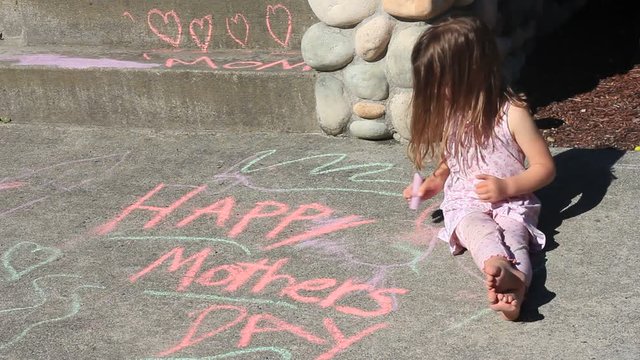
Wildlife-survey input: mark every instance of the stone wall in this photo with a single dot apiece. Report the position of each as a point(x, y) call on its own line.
point(362, 50)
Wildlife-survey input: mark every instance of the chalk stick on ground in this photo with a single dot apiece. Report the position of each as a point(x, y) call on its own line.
point(415, 199)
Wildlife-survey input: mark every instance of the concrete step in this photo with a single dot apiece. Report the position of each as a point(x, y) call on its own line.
point(158, 24)
point(221, 90)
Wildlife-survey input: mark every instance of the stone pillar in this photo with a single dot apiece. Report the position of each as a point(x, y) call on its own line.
point(362, 49)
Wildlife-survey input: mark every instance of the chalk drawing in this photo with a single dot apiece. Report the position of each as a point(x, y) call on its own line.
point(271, 10)
point(233, 33)
point(186, 295)
point(283, 353)
point(74, 309)
point(62, 177)
point(40, 293)
point(336, 251)
point(166, 17)
point(183, 239)
point(417, 256)
point(202, 44)
point(626, 166)
point(41, 298)
point(167, 26)
point(363, 173)
point(23, 206)
point(128, 14)
point(50, 254)
point(70, 62)
point(13, 185)
point(468, 320)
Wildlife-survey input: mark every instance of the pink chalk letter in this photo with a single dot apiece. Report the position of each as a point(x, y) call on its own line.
point(222, 208)
point(285, 65)
point(319, 211)
point(340, 224)
point(256, 213)
point(162, 212)
point(190, 340)
point(207, 60)
point(197, 259)
point(277, 326)
point(343, 342)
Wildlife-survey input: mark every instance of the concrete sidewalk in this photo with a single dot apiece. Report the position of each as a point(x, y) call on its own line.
point(138, 244)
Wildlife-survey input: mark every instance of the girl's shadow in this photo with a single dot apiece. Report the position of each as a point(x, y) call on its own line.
point(582, 179)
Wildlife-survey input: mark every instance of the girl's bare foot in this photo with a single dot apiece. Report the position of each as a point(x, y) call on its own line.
point(505, 287)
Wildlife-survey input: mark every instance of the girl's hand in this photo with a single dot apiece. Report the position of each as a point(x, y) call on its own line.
point(430, 187)
point(491, 188)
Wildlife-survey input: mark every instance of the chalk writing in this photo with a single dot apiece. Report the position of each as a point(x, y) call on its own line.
point(273, 324)
point(231, 278)
point(232, 293)
point(169, 27)
point(211, 63)
point(264, 209)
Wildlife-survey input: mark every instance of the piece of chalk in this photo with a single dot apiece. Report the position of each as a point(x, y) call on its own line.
point(415, 199)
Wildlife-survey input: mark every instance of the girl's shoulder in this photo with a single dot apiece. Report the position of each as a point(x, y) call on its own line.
point(517, 117)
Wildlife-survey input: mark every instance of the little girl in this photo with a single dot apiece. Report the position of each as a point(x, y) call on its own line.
point(479, 133)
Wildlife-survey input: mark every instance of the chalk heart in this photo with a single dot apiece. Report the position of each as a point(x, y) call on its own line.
point(39, 256)
point(174, 41)
point(272, 10)
point(203, 45)
point(236, 20)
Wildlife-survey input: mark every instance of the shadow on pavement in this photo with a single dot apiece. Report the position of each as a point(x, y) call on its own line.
point(582, 179)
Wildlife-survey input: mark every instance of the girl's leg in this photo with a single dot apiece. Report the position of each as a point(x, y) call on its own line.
point(516, 237)
point(481, 235)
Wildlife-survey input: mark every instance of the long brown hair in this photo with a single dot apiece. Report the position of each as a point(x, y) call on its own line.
point(457, 89)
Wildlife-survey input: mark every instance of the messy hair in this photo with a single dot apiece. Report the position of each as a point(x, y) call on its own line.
point(457, 89)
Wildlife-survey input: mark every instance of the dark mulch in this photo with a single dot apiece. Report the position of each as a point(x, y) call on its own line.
point(583, 80)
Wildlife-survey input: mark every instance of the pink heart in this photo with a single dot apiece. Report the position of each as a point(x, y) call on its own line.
point(200, 22)
point(175, 42)
point(235, 20)
point(271, 9)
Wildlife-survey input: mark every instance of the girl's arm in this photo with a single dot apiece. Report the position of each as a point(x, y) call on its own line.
point(540, 172)
point(432, 185)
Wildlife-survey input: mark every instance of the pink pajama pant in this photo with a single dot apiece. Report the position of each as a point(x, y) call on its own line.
point(485, 237)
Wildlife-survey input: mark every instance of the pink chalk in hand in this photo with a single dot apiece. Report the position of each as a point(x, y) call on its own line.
point(415, 198)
